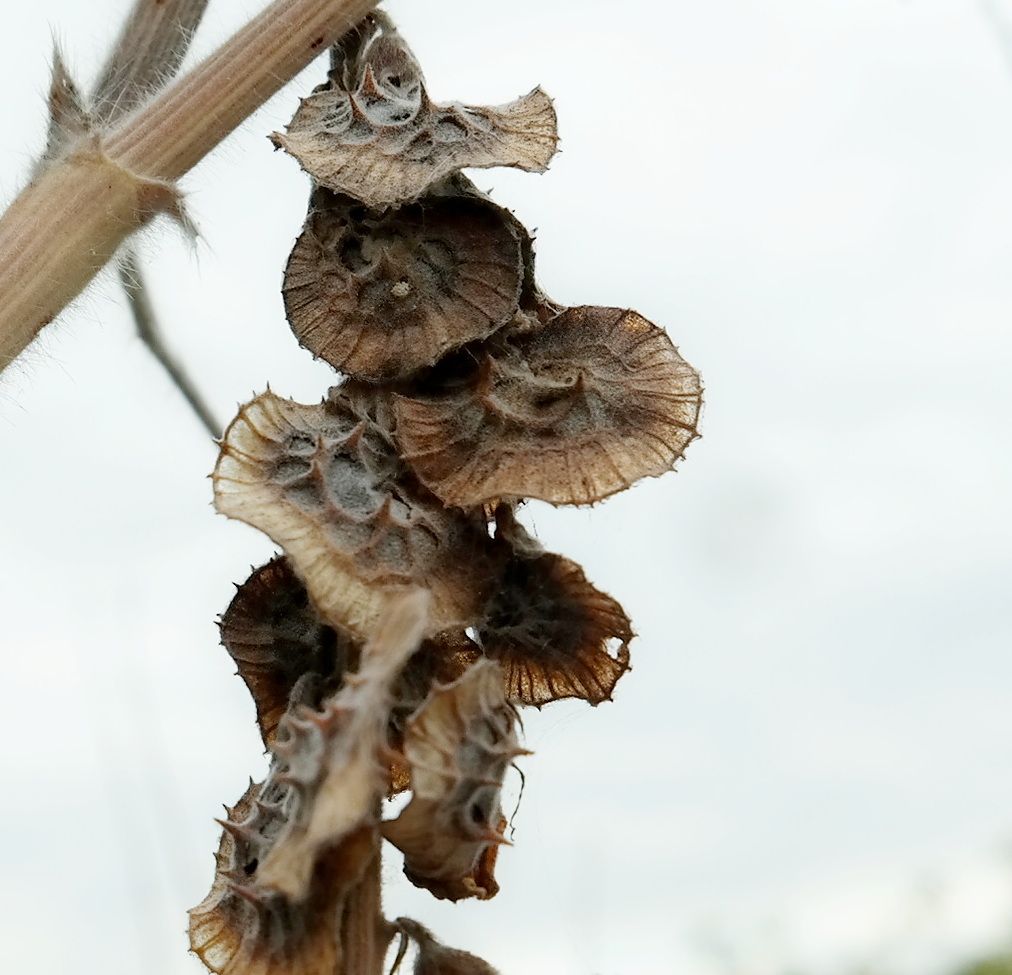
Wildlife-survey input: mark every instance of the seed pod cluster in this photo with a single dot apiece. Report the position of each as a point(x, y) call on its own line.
point(410, 615)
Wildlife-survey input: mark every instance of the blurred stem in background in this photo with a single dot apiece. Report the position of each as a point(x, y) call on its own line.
point(108, 180)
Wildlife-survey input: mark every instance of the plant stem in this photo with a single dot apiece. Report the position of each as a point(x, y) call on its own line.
point(132, 279)
point(69, 221)
point(147, 53)
point(364, 933)
point(176, 130)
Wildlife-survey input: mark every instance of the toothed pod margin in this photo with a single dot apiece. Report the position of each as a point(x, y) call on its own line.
point(569, 413)
point(328, 487)
point(373, 133)
point(380, 294)
point(459, 745)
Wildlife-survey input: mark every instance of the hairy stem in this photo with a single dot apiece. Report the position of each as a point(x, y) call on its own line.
point(69, 221)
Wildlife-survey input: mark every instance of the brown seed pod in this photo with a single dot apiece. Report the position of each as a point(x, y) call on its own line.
point(570, 413)
point(326, 485)
point(442, 659)
point(435, 958)
point(331, 759)
point(553, 633)
point(276, 638)
point(459, 745)
point(380, 294)
point(373, 133)
point(244, 928)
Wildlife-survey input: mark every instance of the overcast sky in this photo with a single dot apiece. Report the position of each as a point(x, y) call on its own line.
point(810, 761)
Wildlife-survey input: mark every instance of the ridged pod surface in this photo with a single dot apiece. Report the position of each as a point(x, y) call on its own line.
point(373, 133)
point(458, 745)
point(245, 928)
point(273, 633)
point(380, 294)
point(327, 486)
point(554, 634)
point(569, 413)
point(333, 758)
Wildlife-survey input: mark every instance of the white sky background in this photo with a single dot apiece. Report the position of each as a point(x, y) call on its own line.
point(811, 762)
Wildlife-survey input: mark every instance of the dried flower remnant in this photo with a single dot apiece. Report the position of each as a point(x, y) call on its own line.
point(441, 659)
point(381, 294)
point(290, 660)
point(459, 745)
point(569, 413)
point(555, 635)
point(325, 484)
point(373, 133)
point(332, 757)
point(277, 639)
point(244, 928)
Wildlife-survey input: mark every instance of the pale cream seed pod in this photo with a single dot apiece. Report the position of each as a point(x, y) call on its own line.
point(373, 133)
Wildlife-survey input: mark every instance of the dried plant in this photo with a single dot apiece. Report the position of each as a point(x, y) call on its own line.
point(411, 615)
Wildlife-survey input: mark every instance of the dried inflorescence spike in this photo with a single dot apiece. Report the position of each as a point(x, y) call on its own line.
point(435, 958)
point(569, 413)
point(331, 758)
point(466, 390)
point(276, 638)
point(328, 487)
point(555, 635)
point(373, 133)
point(459, 745)
point(244, 928)
point(380, 294)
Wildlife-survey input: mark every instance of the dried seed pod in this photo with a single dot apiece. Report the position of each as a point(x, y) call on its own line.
point(331, 758)
point(373, 133)
point(244, 928)
point(434, 958)
point(275, 636)
point(570, 413)
point(554, 634)
point(326, 485)
point(459, 745)
point(380, 294)
point(441, 659)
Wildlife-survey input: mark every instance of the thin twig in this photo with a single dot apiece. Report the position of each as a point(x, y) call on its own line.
point(145, 58)
point(147, 328)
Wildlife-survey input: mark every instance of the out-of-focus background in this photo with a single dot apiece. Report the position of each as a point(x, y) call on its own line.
point(809, 769)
